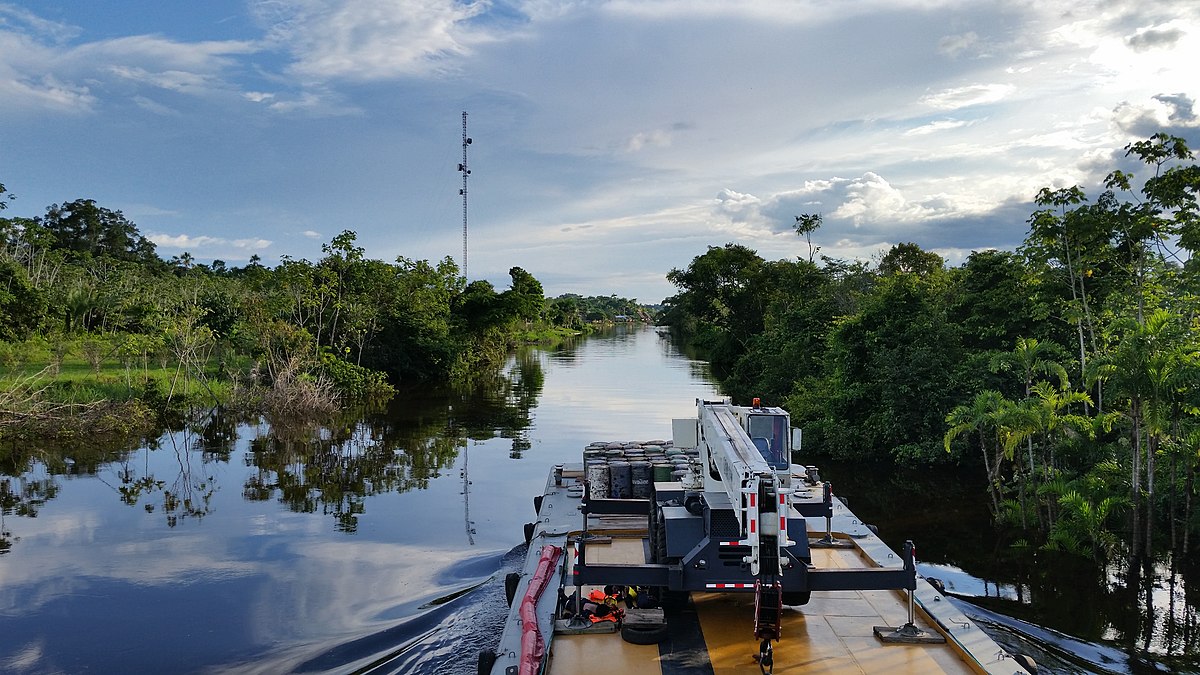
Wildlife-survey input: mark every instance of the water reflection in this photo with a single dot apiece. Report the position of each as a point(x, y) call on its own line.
point(330, 468)
point(1144, 609)
point(333, 470)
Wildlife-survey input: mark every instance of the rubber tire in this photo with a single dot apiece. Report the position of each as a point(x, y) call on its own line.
point(510, 586)
point(537, 504)
point(529, 532)
point(659, 553)
point(795, 598)
point(648, 635)
point(487, 659)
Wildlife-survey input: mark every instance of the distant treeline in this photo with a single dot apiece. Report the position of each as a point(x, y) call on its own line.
point(84, 274)
point(1067, 371)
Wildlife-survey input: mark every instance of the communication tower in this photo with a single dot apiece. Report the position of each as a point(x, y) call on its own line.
point(462, 168)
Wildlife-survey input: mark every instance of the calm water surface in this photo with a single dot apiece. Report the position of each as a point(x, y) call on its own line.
point(381, 544)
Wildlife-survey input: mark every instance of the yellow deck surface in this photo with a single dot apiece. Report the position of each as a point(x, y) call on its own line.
point(831, 634)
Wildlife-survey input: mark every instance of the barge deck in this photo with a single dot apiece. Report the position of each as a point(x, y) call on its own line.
point(703, 633)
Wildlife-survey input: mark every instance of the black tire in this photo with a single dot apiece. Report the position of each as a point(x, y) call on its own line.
point(528, 532)
point(510, 586)
point(644, 635)
point(537, 504)
point(658, 551)
point(487, 659)
point(795, 598)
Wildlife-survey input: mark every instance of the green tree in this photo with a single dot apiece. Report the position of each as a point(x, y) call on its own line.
point(985, 416)
point(891, 367)
point(720, 304)
point(1152, 366)
point(1030, 358)
point(22, 307)
point(525, 299)
point(806, 224)
point(84, 229)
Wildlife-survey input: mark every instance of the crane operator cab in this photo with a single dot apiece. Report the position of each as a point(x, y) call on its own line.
point(769, 433)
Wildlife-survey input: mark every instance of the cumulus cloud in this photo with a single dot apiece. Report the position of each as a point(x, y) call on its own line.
point(739, 207)
point(871, 198)
point(1181, 105)
point(1173, 113)
point(868, 199)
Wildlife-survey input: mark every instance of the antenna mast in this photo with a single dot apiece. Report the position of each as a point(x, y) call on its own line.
point(465, 172)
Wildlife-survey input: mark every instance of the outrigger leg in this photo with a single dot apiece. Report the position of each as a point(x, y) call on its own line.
point(909, 633)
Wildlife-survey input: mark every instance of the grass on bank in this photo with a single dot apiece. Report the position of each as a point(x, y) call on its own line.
point(95, 386)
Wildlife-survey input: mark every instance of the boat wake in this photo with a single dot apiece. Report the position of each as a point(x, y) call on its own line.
point(1057, 652)
point(445, 638)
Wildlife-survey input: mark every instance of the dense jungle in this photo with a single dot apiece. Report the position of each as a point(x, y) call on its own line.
point(1063, 373)
point(98, 334)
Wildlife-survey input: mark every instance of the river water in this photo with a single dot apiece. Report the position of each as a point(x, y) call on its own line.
point(379, 544)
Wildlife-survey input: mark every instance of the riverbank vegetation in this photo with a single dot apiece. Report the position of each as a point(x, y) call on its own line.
point(91, 318)
point(1066, 373)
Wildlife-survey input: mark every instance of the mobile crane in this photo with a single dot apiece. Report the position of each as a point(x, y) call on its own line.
point(735, 522)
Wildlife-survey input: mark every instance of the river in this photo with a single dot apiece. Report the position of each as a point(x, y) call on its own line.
point(380, 543)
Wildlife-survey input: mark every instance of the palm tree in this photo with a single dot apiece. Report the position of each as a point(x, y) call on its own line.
point(1028, 358)
point(983, 415)
point(1151, 365)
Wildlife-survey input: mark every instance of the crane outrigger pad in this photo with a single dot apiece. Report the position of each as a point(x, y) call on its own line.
point(908, 634)
point(830, 543)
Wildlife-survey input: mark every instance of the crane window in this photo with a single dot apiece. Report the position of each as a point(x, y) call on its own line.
point(769, 434)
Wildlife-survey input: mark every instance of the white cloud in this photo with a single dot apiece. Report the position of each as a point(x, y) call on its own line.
point(966, 96)
point(369, 39)
point(42, 69)
point(203, 242)
point(739, 207)
point(159, 54)
point(872, 199)
point(17, 18)
point(44, 93)
point(934, 127)
point(316, 102)
point(311, 234)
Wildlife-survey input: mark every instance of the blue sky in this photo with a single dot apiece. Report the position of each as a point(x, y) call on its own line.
point(613, 140)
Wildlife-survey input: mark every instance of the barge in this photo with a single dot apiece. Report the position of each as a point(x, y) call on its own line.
point(711, 554)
